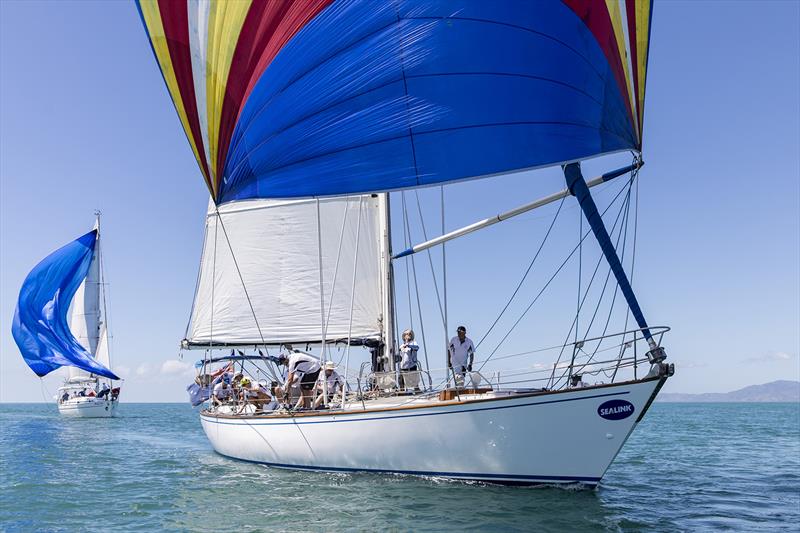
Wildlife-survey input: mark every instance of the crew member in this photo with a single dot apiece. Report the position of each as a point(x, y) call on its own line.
point(332, 380)
point(409, 365)
point(461, 353)
point(303, 369)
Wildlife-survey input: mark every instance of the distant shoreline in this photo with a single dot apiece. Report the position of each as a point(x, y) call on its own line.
point(782, 391)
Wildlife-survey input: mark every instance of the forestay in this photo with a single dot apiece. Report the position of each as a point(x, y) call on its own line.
point(271, 249)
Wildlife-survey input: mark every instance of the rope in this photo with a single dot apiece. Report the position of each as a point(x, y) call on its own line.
point(558, 270)
point(338, 256)
point(430, 257)
point(46, 396)
point(633, 263)
point(323, 357)
point(213, 287)
point(239, 272)
point(524, 276)
point(419, 305)
point(352, 303)
point(444, 284)
point(608, 277)
point(197, 281)
point(580, 279)
point(583, 301)
point(406, 244)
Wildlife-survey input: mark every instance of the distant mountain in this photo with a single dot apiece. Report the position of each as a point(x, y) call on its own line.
point(776, 391)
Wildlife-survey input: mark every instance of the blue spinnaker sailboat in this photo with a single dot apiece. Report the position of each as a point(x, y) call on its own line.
point(40, 325)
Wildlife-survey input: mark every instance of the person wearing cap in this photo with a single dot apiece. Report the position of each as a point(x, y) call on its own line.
point(461, 353)
point(222, 392)
point(332, 380)
point(409, 365)
point(254, 393)
point(303, 369)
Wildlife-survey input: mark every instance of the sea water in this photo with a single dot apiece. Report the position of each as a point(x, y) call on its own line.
point(687, 467)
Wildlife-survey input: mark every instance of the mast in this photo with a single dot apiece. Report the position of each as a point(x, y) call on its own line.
point(387, 277)
point(103, 351)
point(85, 312)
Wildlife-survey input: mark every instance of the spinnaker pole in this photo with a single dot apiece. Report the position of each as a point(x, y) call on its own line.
point(608, 176)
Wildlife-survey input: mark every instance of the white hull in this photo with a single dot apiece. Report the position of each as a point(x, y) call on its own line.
point(85, 407)
point(556, 437)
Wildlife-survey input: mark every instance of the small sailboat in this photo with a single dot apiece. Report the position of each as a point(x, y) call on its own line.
point(309, 120)
point(61, 320)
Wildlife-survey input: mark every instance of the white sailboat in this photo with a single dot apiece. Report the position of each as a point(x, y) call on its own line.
point(61, 320)
point(303, 122)
point(85, 394)
point(498, 427)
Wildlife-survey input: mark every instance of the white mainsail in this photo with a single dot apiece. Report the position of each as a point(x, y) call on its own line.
point(272, 248)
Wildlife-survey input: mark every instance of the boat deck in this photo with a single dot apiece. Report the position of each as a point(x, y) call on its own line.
point(402, 402)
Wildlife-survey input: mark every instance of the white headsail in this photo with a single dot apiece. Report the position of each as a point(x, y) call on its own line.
point(271, 248)
point(85, 313)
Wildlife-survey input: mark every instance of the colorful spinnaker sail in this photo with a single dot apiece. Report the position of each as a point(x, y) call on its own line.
point(40, 325)
point(294, 98)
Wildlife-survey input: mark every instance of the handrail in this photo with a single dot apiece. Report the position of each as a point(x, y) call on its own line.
point(548, 376)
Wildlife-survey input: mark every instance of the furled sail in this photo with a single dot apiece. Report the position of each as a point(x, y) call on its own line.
point(331, 97)
point(40, 321)
point(268, 291)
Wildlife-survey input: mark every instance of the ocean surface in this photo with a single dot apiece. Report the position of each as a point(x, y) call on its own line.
point(687, 467)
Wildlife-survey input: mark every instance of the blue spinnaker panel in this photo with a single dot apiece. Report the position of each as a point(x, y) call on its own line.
point(375, 96)
point(40, 326)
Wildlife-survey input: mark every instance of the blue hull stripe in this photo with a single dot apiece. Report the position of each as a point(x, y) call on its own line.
point(213, 420)
point(456, 475)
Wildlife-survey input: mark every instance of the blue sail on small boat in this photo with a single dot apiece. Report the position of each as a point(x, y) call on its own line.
point(61, 321)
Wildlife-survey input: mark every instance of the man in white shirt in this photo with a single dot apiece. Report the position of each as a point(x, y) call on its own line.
point(461, 353)
point(303, 369)
point(335, 383)
point(221, 393)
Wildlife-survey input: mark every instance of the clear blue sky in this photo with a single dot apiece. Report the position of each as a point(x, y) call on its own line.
point(86, 123)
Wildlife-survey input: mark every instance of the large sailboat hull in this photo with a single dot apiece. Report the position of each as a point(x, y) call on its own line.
point(569, 436)
point(88, 408)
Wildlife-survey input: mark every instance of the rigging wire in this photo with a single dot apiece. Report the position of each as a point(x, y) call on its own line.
point(239, 272)
point(406, 244)
point(524, 276)
point(430, 257)
point(444, 280)
point(608, 277)
point(547, 284)
point(576, 346)
point(419, 304)
point(338, 257)
point(197, 281)
point(352, 303)
point(213, 286)
point(323, 356)
point(633, 264)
